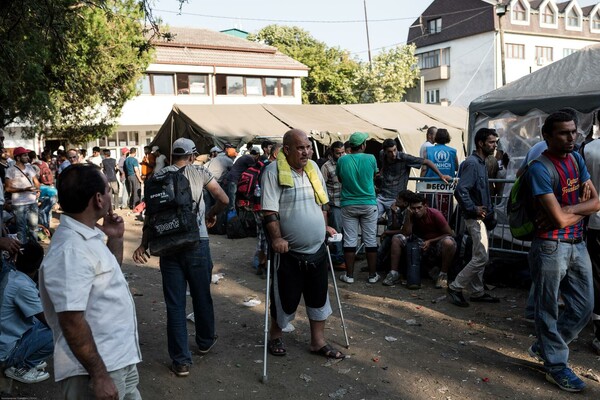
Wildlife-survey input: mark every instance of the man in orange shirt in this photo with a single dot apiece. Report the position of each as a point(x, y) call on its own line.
point(148, 163)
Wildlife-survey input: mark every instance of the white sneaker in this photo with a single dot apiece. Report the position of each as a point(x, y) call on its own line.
point(392, 278)
point(346, 278)
point(442, 281)
point(25, 375)
point(374, 279)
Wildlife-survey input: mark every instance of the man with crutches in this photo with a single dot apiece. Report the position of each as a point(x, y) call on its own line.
point(293, 199)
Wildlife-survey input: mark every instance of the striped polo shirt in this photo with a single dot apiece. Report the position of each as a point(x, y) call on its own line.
point(566, 192)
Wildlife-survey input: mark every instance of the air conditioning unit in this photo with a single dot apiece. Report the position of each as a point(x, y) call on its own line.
point(541, 61)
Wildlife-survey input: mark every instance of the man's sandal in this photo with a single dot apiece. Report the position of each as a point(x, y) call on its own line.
point(330, 352)
point(276, 347)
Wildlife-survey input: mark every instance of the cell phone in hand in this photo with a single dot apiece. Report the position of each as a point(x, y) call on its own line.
point(335, 238)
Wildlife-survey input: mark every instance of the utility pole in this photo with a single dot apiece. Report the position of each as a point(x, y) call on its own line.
point(367, 26)
point(500, 11)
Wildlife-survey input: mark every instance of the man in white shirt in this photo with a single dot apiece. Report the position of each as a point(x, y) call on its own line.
point(160, 159)
point(86, 298)
point(429, 141)
point(95, 158)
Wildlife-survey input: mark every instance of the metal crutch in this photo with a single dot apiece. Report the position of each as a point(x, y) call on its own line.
point(337, 293)
point(264, 378)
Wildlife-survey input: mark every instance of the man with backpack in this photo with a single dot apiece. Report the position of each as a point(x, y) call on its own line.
point(473, 195)
point(558, 257)
point(188, 262)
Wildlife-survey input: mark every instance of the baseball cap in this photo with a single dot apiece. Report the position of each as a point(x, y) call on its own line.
point(154, 148)
point(124, 150)
point(216, 149)
point(20, 150)
point(183, 147)
point(358, 138)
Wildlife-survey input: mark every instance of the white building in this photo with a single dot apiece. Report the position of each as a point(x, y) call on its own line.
point(459, 42)
point(200, 66)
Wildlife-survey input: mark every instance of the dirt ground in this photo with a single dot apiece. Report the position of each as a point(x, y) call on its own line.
point(403, 344)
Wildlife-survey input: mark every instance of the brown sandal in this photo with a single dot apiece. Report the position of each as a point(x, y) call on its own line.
point(330, 352)
point(276, 347)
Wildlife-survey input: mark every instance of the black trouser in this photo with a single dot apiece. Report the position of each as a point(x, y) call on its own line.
point(134, 188)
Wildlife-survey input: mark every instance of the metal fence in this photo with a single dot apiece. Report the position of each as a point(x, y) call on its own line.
point(440, 196)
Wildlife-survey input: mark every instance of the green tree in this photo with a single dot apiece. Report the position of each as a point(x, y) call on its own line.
point(332, 70)
point(391, 73)
point(69, 66)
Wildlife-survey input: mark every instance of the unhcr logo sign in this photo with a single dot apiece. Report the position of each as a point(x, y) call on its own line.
point(442, 159)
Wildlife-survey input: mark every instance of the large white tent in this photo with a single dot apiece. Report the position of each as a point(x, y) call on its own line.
point(208, 125)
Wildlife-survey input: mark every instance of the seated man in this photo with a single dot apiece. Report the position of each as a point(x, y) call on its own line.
point(429, 226)
point(25, 339)
point(393, 228)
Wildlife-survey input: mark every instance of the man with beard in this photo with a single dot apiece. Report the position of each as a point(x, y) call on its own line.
point(334, 191)
point(558, 258)
point(473, 196)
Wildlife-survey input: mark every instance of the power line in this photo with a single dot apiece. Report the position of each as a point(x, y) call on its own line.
point(425, 34)
point(287, 20)
point(351, 21)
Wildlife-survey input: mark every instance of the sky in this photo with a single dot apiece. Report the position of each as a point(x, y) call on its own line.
point(335, 22)
point(338, 23)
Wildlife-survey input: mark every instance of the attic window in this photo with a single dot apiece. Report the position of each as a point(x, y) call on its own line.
point(519, 12)
point(573, 18)
point(434, 25)
point(595, 21)
point(548, 15)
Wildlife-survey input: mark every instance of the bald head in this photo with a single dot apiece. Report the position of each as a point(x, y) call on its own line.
point(292, 135)
point(297, 148)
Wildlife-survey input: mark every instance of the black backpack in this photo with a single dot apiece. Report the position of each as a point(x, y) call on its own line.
point(171, 213)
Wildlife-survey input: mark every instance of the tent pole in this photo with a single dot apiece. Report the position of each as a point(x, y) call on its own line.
point(171, 141)
point(316, 148)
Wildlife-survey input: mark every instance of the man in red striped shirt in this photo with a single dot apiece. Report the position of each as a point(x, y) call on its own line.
point(558, 257)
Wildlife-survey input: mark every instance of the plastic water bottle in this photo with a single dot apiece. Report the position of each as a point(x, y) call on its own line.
point(257, 191)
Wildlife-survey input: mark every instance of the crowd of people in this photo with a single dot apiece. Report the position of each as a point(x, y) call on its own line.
point(74, 303)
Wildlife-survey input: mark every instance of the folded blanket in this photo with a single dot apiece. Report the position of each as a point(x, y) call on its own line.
point(286, 179)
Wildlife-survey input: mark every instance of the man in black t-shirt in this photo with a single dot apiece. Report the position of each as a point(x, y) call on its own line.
point(109, 167)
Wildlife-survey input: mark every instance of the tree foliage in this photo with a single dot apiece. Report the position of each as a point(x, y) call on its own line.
point(391, 73)
point(335, 77)
point(70, 66)
point(332, 71)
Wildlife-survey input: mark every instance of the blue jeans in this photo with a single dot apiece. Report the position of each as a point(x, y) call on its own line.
point(335, 221)
point(26, 217)
point(194, 269)
point(35, 346)
point(566, 267)
point(46, 209)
